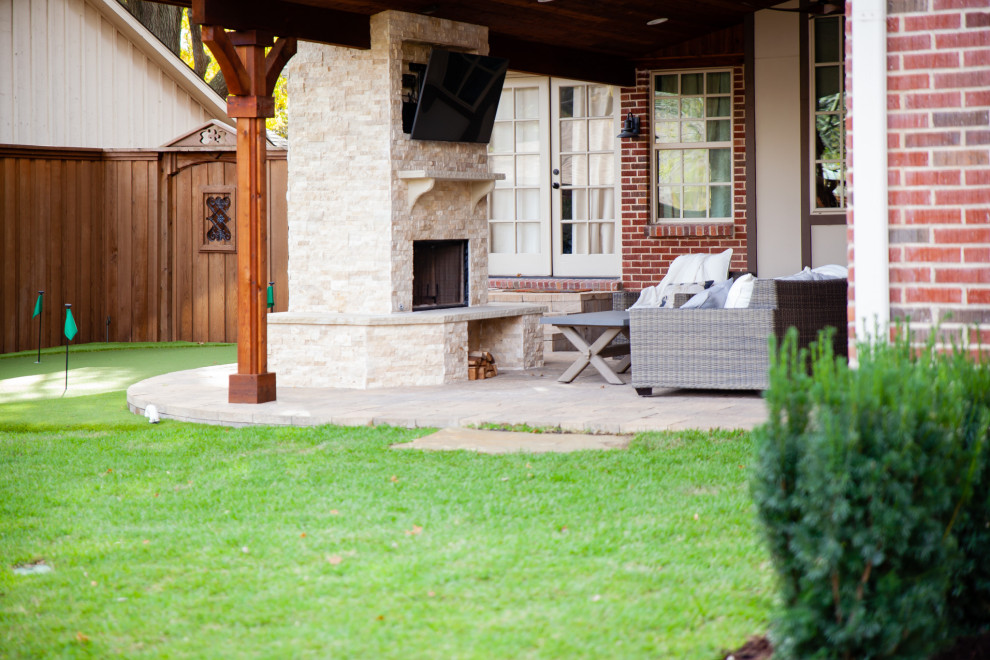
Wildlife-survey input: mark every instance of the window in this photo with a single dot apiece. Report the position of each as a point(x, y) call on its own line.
point(828, 152)
point(692, 142)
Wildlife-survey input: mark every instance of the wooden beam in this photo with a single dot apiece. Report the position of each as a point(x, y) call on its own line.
point(287, 19)
point(564, 62)
point(276, 60)
point(223, 50)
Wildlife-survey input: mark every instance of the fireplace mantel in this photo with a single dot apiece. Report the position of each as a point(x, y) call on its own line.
point(420, 182)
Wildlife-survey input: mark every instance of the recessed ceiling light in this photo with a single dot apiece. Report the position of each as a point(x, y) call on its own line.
point(544, 0)
point(656, 21)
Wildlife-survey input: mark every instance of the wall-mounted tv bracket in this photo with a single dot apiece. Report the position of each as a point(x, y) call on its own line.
point(412, 83)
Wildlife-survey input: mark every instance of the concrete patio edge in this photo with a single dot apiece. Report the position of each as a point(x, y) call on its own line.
point(531, 397)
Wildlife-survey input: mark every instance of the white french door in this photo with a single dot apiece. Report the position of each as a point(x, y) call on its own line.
point(556, 211)
point(585, 205)
point(519, 215)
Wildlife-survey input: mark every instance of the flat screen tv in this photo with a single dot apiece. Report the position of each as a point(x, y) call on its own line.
point(458, 97)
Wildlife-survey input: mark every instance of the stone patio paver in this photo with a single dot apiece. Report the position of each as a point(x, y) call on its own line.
point(532, 397)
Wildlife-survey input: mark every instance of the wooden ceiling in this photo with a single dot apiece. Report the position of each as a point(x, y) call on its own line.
point(590, 39)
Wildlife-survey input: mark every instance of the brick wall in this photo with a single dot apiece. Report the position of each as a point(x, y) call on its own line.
point(647, 247)
point(938, 100)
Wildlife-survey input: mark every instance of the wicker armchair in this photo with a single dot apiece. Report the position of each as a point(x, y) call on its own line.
point(728, 348)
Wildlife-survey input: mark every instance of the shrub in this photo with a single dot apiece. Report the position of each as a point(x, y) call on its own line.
point(864, 486)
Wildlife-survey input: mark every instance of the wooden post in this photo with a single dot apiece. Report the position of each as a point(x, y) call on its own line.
point(251, 77)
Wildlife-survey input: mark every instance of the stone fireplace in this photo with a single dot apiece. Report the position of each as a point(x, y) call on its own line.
point(388, 236)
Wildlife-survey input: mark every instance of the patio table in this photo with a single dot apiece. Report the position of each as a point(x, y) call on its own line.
point(614, 323)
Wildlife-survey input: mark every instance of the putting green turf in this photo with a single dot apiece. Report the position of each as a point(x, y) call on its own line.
point(99, 374)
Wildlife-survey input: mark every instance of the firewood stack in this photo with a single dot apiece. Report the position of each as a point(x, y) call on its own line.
point(481, 366)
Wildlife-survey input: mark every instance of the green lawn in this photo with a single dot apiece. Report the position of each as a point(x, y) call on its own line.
point(178, 540)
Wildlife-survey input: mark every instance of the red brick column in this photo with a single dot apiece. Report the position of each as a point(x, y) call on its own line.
point(938, 100)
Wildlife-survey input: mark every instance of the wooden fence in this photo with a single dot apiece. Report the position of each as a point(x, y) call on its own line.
point(119, 235)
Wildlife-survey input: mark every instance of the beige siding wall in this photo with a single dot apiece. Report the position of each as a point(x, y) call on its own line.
point(76, 73)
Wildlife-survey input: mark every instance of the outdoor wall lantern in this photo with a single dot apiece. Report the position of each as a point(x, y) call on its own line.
point(630, 127)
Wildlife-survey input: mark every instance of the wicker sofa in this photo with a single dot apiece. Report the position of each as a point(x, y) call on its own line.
point(728, 348)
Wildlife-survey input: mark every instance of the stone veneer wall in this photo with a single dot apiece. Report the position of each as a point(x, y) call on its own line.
point(350, 226)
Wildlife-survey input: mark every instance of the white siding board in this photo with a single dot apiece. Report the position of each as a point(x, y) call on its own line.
point(90, 122)
point(21, 73)
point(40, 72)
point(57, 110)
point(81, 73)
point(72, 85)
point(105, 65)
point(6, 72)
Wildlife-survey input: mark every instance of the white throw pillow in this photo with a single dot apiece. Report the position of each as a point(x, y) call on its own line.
point(716, 267)
point(741, 292)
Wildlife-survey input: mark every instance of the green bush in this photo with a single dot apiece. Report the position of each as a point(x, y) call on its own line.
point(871, 486)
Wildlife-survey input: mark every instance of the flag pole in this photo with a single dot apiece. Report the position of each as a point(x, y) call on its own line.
point(68, 315)
point(41, 321)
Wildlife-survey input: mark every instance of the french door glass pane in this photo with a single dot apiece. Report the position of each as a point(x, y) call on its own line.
point(528, 136)
point(572, 102)
point(502, 205)
point(504, 112)
point(602, 237)
point(528, 237)
point(528, 204)
point(601, 203)
point(601, 135)
point(601, 170)
point(567, 238)
point(501, 141)
point(573, 204)
point(503, 165)
point(528, 103)
point(574, 170)
point(600, 100)
point(502, 237)
point(573, 135)
point(528, 170)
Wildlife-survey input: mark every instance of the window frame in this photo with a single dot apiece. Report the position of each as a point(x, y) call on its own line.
point(810, 216)
point(656, 147)
point(813, 113)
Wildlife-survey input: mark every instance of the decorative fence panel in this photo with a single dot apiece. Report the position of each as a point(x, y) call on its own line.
point(121, 235)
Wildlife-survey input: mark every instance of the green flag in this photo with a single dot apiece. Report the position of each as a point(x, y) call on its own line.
point(37, 306)
point(271, 295)
point(70, 325)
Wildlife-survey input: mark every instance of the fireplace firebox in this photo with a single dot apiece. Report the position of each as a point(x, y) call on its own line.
point(440, 271)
